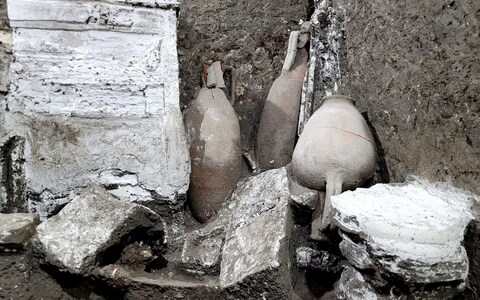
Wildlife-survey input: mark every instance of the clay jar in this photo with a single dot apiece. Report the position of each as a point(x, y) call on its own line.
point(278, 124)
point(336, 151)
point(214, 135)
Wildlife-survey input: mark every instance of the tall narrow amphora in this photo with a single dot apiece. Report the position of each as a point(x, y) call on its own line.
point(278, 124)
point(214, 135)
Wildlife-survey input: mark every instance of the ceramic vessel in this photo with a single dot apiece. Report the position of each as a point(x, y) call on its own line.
point(336, 151)
point(278, 124)
point(214, 135)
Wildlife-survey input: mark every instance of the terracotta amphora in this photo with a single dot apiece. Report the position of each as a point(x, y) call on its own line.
point(278, 124)
point(335, 152)
point(214, 135)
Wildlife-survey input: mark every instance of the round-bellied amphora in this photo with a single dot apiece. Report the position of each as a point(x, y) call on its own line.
point(336, 151)
point(214, 134)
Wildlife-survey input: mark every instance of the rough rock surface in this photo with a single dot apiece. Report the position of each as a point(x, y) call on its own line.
point(94, 95)
point(414, 69)
point(257, 241)
point(412, 232)
point(75, 239)
point(249, 35)
point(202, 251)
point(5, 57)
point(17, 229)
point(353, 285)
point(15, 255)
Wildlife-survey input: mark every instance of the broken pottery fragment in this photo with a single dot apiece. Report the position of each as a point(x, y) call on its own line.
point(76, 238)
point(278, 124)
point(336, 151)
point(214, 135)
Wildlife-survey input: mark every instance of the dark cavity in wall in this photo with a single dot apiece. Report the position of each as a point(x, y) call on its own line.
point(12, 183)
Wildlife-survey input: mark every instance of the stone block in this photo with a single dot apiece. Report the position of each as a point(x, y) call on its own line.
point(93, 59)
point(75, 239)
point(255, 255)
point(16, 230)
point(352, 286)
point(139, 159)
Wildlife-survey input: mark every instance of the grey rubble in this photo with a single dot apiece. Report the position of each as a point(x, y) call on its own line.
point(254, 261)
point(84, 229)
point(413, 232)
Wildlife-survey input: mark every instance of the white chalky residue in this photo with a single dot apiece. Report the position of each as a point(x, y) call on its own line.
point(415, 229)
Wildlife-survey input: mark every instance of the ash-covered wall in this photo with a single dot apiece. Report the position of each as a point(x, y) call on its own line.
point(414, 68)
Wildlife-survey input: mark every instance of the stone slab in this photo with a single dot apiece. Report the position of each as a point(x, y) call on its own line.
point(94, 73)
point(94, 91)
point(202, 250)
point(76, 237)
point(257, 239)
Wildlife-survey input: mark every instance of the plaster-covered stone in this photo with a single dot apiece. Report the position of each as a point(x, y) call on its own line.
point(241, 253)
point(76, 237)
point(16, 229)
point(94, 91)
point(406, 241)
point(353, 285)
point(413, 230)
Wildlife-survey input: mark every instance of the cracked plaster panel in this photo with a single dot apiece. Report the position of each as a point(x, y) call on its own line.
point(94, 73)
point(86, 15)
point(65, 154)
point(94, 87)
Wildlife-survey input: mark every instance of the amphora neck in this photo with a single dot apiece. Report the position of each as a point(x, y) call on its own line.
point(337, 98)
